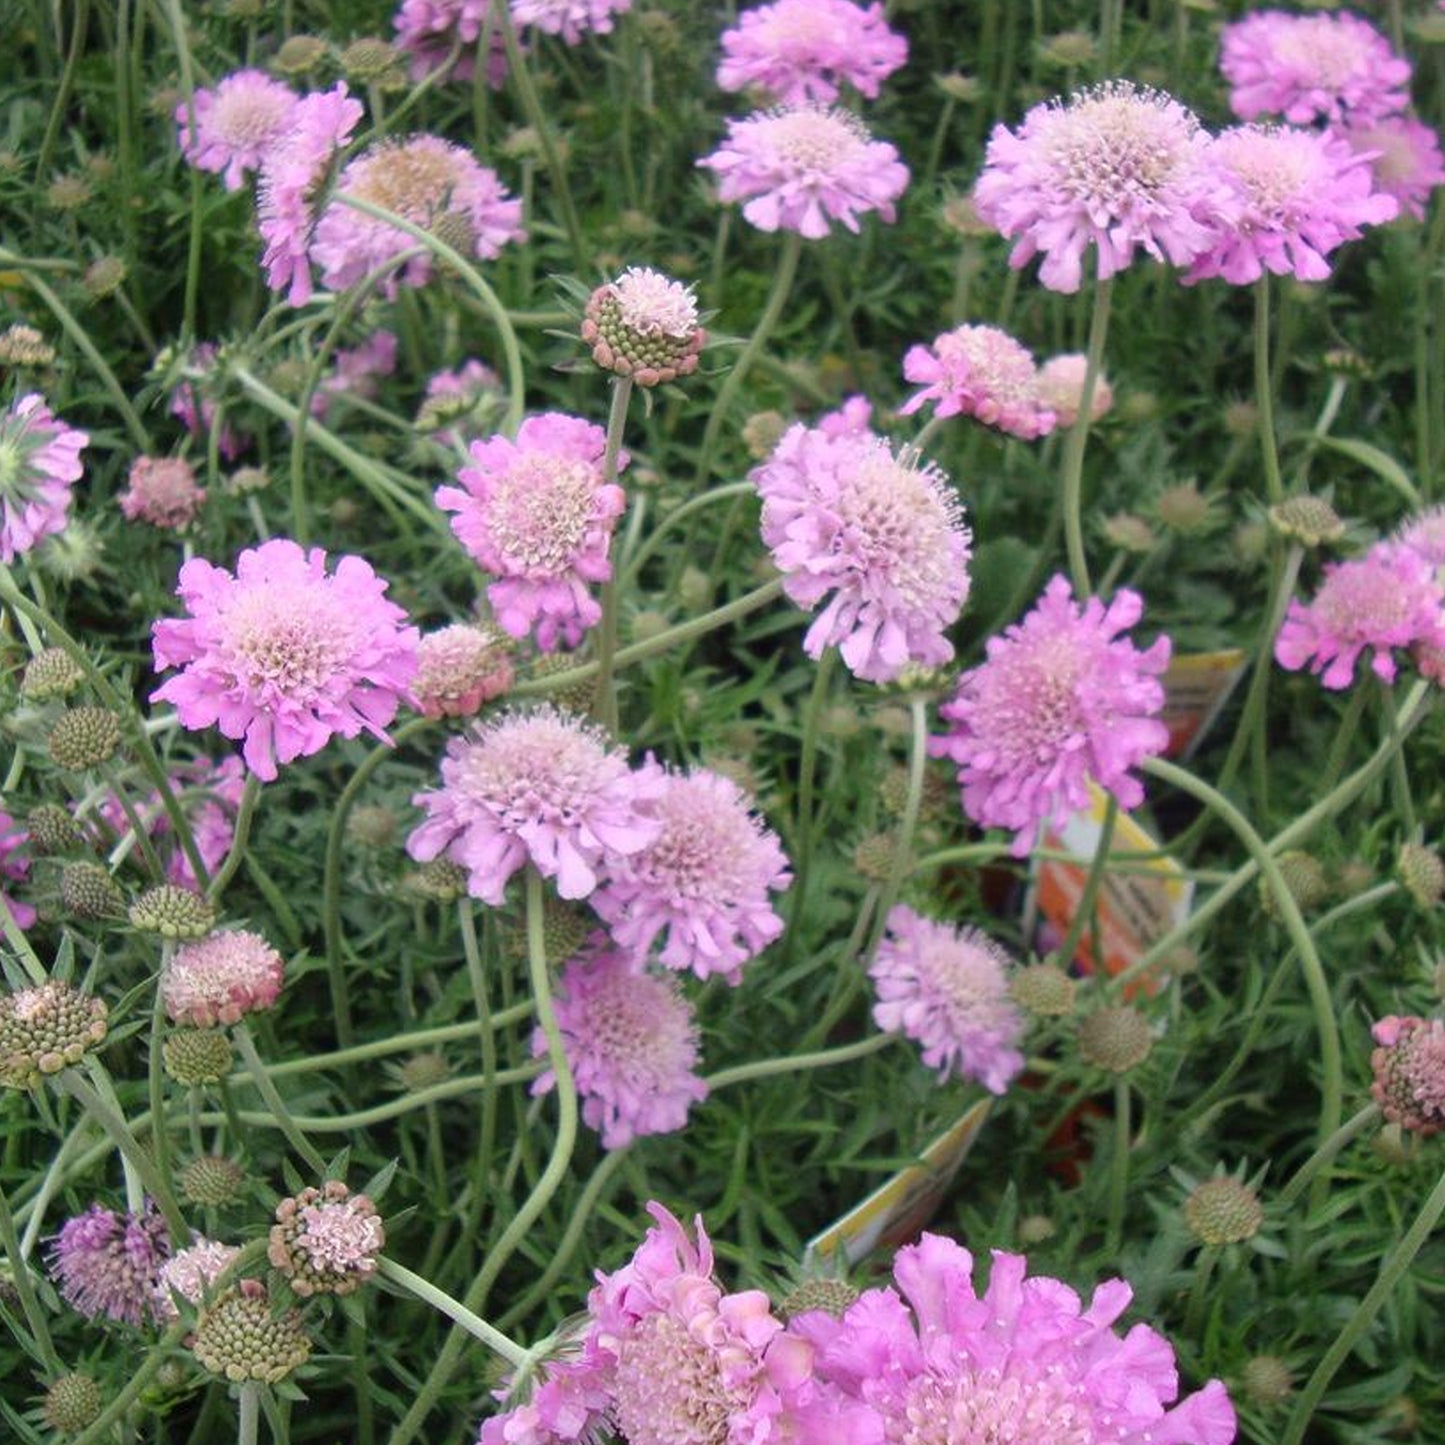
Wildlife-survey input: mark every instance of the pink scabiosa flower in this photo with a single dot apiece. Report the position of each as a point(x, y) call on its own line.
point(704, 880)
point(235, 125)
point(459, 668)
point(1425, 534)
point(1298, 194)
point(425, 180)
point(796, 50)
point(934, 1363)
point(802, 167)
point(1409, 1068)
point(221, 978)
point(462, 397)
point(188, 1273)
point(1404, 155)
point(880, 530)
point(292, 174)
point(431, 31)
point(1311, 67)
point(571, 19)
point(1388, 598)
point(632, 1043)
point(538, 514)
point(948, 989)
point(1061, 700)
point(106, 1264)
point(356, 372)
point(982, 372)
point(197, 411)
point(163, 492)
point(644, 325)
point(540, 786)
point(1061, 388)
point(1117, 167)
point(14, 867)
point(283, 654)
point(39, 464)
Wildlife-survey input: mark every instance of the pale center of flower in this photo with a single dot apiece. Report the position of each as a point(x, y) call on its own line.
point(1118, 147)
point(703, 848)
point(965, 977)
point(639, 1029)
point(540, 769)
point(989, 1408)
point(275, 646)
point(669, 1388)
point(539, 511)
point(1358, 602)
point(986, 356)
point(414, 181)
point(1031, 707)
point(1280, 174)
point(1319, 50)
point(813, 140)
point(652, 305)
point(337, 1237)
point(245, 119)
point(798, 31)
point(30, 1004)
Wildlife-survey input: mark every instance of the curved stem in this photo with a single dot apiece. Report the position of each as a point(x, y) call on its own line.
point(681, 514)
point(1264, 394)
point(1073, 478)
point(1098, 866)
point(903, 846)
point(823, 1059)
point(25, 1290)
point(482, 1165)
point(240, 836)
point(1351, 1129)
point(277, 1105)
point(454, 1310)
point(807, 777)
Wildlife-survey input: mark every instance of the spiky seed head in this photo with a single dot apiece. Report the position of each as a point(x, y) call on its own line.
point(171, 911)
point(197, 1056)
point(1422, 872)
point(1304, 876)
point(212, 1181)
point(830, 1295)
point(1267, 1381)
point(1115, 1039)
point(51, 673)
point(239, 1338)
point(87, 891)
point(52, 830)
point(1044, 989)
point(1311, 521)
point(46, 1028)
point(84, 737)
point(1223, 1210)
point(71, 1403)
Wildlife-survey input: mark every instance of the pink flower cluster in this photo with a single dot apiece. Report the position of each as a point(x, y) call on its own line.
point(1409, 1068)
point(980, 371)
point(356, 371)
point(801, 50)
point(233, 128)
point(1062, 700)
point(433, 31)
point(881, 530)
point(163, 492)
point(283, 654)
point(570, 19)
point(39, 465)
point(196, 410)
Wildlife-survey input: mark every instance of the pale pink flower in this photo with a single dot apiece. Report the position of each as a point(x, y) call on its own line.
point(356, 372)
point(197, 411)
point(1312, 67)
point(571, 19)
point(802, 167)
point(221, 978)
point(1425, 534)
point(431, 30)
point(1404, 155)
point(459, 668)
point(464, 397)
point(1388, 598)
point(1116, 167)
point(1061, 386)
point(283, 654)
point(163, 492)
point(882, 531)
point(293, 172)
point(539, 515)
point(1409, 1069)
point(932, 1362)
point(982, 372)
point(14, 867)
point(188, 1273)
point(948, 989)
point(631, 1042)
point(425, 180)
point(704, 880)
point(1062, 700)
point(235, 125)
point(39, 465)
point(542, 787)
point(644, 325)
point(1298, 194)
point(795, 50)
point(106, 1264)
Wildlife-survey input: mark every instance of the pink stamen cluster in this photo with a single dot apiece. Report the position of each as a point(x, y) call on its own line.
point(1061, 388)
point(235, 126)
point(459, 668)
point(106, 1264)
point(1409, 1069)
point(799, 50)
point(1062, 700)
point(221, 978)
point(284, 654)
point(188, 1273)
point(162, 491)
point(980, 371)
point(1404, 155)
point(39, 465)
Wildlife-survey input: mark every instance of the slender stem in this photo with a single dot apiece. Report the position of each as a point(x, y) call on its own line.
point(605, 700)
point(1399, 1260)
point(1199, 1290)
point(240, 836)
point(900, 864)
point(25, 1290)
point(277, 1105)
point(1119, 1165)
point(807, 776)
point(155, 1083)
point(683, 513)
point(482, 1165)
point(454, 1310)
point(248, 1414)
point(1325, 1155)
point(1264, 394)
point(1073, 477)
point(823, 1059)
point(1098, 867)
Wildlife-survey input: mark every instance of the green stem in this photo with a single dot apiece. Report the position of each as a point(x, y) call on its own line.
point(239, 838)
point(155, 1083)
point(807, 777)
point(1199, 1291)
point(900, 864)
point(1119, 1166)
point(1391, 1272)
point(1345, 735)
point(605, 700)
point(454, 1310)
point(20, 1280)
point(681, 514)
point(1073, 477)
point(1098, 867)
point(482, 1165)
point(273, 1100)
point(1325, 1155)
point(1264, 394)
point(823, 1059)
point(248, 1413)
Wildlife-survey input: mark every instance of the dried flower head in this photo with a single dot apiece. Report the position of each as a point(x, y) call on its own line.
point(1116, 1039)
point(326, 1240)
point(45, 1028)
point(39, 464)
point(240, 1337)
point(644, 325)
point(162, 491)
point(221, 978)
point(106, 1264)
point(84, 737)
point(189, 1272)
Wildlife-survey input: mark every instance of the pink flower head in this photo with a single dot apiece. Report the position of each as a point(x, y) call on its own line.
point(464, 397)
point(1312, 67)
point(1425, 534)
point(801, 167)
point(430, 31)
point(797, 50)
point(1404, 155)
point(427, 181)
point(163, 492)
point(934, 1363)
point(188, 1273)
point(881, 531)
point(704, 880)
point(1061, 388)
point(632, 1044)
point(221, 978)
point(540, 786)
point(538, 514)
point(106, 1264)
point(293, 172)
point(1117, 166)
point(1062, 700)
point(1409, 1068)
point(1388, 598)
point(571, 19)
point(356, 372)
point(669, 1359)
point(948, 989)
point(15, 867)
point(39, 464)
point(459, 668)
point(283, 654)
point(197, 411)
point(982, 372)
point(1298, 195)
point(236, 125)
